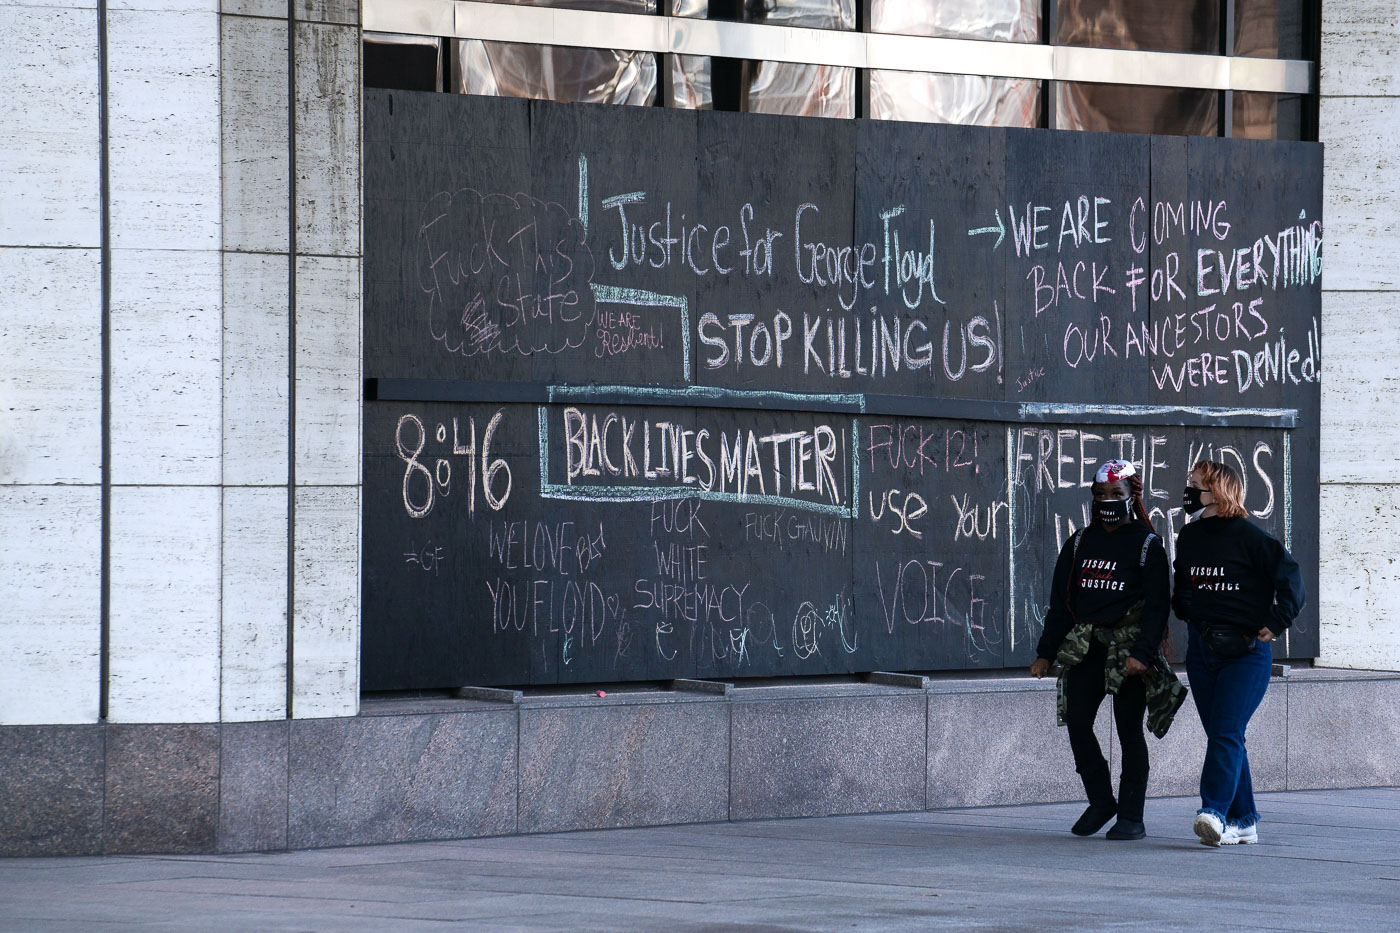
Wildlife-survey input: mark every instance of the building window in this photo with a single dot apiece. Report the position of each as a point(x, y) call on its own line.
point(755, 86)
point(1126, 108)
point(1001, 20)
point(967, 99)
point(545, 72)
point(404, 63)
point(1257, 115)
point(1181, 26)
point(1269, 28)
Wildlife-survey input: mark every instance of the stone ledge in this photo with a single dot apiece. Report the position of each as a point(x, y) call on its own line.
point(434, 767)
point(1301, 674)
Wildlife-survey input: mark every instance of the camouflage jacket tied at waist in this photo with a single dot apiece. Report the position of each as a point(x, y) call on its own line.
point(1165, 693)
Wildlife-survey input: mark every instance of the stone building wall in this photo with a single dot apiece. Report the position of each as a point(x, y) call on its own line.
point(227, 288)
point(1360, 498)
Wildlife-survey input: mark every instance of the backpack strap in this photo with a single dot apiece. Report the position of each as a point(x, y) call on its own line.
point(1070, 585)
point(1146, 543)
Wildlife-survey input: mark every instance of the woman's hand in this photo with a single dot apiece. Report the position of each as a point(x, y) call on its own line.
point(1134, 667)
point(1265, 635)
point(1040, 668)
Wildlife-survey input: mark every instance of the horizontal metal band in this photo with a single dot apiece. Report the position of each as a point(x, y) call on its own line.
point(499, 22)
point(907, 406)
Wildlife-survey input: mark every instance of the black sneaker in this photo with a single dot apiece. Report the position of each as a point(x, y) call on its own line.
point(1127, 829)
point(1095, 818)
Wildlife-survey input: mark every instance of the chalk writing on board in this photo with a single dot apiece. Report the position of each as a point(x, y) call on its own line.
point(504, 274)
point(694, 416)
point(607, 456)
point(423, 485)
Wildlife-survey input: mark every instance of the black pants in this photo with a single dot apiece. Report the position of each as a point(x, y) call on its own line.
point(1084, 692)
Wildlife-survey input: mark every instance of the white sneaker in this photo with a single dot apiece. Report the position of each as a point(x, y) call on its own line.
point(1240, 836)
point(1209, 828)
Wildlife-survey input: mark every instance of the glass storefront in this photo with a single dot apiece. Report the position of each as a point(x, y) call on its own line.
point(1007, 91)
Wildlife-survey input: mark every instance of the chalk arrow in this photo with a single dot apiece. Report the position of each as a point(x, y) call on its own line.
point(999, 230)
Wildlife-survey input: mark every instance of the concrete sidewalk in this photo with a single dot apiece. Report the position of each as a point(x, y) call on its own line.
point(1327, 860)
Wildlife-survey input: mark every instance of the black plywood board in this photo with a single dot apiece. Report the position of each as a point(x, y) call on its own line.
point(781, 193)
point(1069, 198)
point(671, 515)
point(932, 542)
point(920, 191)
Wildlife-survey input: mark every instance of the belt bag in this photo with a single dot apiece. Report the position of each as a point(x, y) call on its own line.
point(1226, 641)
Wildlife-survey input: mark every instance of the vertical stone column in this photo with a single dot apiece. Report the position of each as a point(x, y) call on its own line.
point(327, 404)
point(256, 125)
point(291, 185)
point(165, 327)
point(50, 363)
point(1360, 494)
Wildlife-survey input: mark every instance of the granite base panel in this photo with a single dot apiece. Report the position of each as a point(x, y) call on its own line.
point(1025, 759)
point(1177, 757)
point(608, 767)
point(817, 756)
point(450, 769)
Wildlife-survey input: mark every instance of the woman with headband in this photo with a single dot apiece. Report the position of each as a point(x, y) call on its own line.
point(1108, 609)
point(1238, 589)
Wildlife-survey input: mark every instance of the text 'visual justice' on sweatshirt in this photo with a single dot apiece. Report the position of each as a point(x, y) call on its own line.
point(1102, 583)
point(1231, 570)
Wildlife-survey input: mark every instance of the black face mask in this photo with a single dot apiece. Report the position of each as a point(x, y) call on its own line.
point(1112, 511)
point(1191, 499)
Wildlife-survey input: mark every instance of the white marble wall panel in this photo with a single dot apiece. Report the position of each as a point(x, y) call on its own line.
point(1361, 174)
point(172, 6)
point(164, 607)
point(276, 9)
point(254, 655)
point(1360, 570)
point(255, 362)
point(326, 629)
point(344, 12)
point(1360, 417)
point(256, 156)
point(328, 382)
point(56, 4)
point(50, 615)
point(49, 184)
point(1359, 75)
point(163, 118)
point(328, 140)
point(50, 366)
point(166, 397)
point(1359, 48)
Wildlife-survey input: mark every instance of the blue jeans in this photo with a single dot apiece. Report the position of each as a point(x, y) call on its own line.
point(1227, 693)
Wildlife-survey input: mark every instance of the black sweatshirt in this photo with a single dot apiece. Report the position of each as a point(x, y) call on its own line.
point(1231, 570)
point(1109, 576)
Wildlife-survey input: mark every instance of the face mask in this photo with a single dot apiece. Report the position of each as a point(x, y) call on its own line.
point(1191, 499)
point(1112, 511)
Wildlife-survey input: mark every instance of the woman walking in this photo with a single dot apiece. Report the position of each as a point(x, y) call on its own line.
point(1108, 606)
point(1238, 589)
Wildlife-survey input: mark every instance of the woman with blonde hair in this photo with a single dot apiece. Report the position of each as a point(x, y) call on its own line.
point(1238, 589)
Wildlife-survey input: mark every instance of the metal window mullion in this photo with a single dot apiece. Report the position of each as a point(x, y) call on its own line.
point(1050, 22)
point(863, 73)
point(1227, 48)
point(663, 64)
point(446, 67)
point(1312, 50)
point(665, 92)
